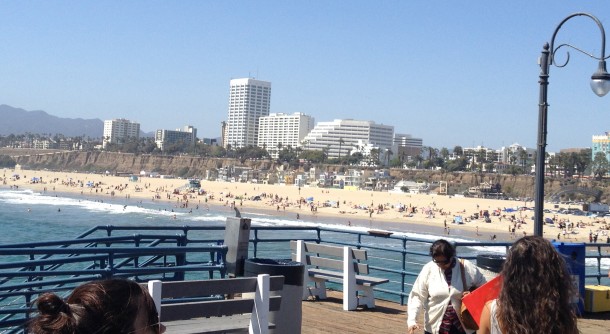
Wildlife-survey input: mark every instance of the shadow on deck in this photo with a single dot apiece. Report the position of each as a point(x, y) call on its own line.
point(327, 316)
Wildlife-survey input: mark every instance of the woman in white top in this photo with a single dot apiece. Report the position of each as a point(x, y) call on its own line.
point(438, 291)
point(536, 292)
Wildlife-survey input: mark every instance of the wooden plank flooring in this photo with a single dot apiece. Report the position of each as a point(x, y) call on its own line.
point(327, 316)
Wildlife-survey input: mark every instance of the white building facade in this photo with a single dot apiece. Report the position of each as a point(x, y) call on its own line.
point(117, 131)
point(249, 100)
point(278, 131)
point(601, 143)
point(340, 136)
point(186, 135)
point(406, 147)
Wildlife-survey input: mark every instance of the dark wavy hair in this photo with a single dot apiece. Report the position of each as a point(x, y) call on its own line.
point(536, 290)
point(104, 307)
point(442, 247)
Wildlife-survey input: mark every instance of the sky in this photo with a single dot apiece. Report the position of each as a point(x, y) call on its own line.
point(450, 72)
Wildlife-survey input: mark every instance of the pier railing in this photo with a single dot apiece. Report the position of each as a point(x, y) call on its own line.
point(30, 269)
point(195, 252)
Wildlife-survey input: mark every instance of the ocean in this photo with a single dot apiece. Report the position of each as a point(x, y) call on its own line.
point(28, 216)
point(31, 216)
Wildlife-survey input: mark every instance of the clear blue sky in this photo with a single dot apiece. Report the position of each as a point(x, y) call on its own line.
point(450, 72)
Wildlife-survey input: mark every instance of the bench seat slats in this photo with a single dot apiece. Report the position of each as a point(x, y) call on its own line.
point(336, 264)
point(337, 277)
point(213, 308)
point(231, 324)
point(336, 251)
point(181, 289)
point(200, 306)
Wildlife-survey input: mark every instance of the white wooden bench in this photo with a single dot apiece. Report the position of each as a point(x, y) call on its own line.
point(202, 307)
point(339, 265)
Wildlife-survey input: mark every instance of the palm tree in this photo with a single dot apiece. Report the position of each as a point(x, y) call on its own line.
point(375, 156)
point(522, 157)
point(388, 154)
point(340, 144)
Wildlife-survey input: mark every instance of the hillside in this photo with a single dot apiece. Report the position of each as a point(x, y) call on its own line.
point(19, 121)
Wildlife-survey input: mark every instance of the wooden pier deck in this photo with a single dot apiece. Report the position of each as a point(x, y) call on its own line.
point(327, 316)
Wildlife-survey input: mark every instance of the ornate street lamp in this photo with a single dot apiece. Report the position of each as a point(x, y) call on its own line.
point(600, 83)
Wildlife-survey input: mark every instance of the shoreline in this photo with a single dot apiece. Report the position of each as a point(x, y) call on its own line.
point(399, 212)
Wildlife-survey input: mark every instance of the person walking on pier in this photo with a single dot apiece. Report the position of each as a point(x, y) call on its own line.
point(536, 292)
point(438, 291)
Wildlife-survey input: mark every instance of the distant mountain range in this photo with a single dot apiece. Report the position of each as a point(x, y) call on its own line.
point(19, 121)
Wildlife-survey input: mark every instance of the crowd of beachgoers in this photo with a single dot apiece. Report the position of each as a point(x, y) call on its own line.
point(473, 217)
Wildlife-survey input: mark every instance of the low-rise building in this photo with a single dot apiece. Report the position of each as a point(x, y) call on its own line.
point(187, 136)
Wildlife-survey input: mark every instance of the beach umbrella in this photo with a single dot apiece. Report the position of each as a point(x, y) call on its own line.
point(309, 199)
point(548, 220)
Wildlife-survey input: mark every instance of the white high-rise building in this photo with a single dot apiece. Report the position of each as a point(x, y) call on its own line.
point(119, 130)
point(249, 100)
point(278, 131)
point(340, 136)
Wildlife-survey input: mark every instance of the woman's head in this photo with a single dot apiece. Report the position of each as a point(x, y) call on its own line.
point(442, 252)
point(536, 289)
point(109, 306)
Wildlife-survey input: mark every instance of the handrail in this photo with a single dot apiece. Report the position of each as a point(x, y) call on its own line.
point(188, 252)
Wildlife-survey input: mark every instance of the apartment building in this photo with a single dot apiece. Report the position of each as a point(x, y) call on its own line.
point(340, 136)
point(406, 147)
point(278, 131)
point(601, 143)
point(117, 131)
point(187, 135)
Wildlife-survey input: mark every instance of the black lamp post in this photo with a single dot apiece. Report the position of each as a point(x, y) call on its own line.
point(600, 83)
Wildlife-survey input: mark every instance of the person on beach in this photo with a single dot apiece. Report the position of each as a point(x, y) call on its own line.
point(536, 292)
point(113, 306)
point(439, 289)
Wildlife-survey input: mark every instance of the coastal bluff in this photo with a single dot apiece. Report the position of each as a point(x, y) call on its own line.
point(191, 166)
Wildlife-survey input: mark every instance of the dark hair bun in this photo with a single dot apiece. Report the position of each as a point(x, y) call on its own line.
point(51, 304)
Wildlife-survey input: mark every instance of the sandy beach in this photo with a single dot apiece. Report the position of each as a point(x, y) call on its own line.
point(390, 211)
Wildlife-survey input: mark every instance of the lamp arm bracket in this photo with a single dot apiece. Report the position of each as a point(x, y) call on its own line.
point(553, 59)
point(555, 49)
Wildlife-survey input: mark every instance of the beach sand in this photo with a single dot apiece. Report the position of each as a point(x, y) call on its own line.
point(423, 213)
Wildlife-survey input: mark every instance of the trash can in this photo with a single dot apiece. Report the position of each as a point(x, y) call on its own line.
point(490, 264)
point(574, 254)
point(288, 318)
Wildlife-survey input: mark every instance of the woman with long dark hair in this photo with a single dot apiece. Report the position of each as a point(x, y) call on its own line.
point(536, 292)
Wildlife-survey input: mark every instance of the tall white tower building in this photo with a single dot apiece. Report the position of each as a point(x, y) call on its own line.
point(249, 99)
point(119, 130)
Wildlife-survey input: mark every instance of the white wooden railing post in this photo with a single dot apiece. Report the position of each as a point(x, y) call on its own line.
point(259, 322)
point(350, 297)
point(154, 290)
point(302, 258)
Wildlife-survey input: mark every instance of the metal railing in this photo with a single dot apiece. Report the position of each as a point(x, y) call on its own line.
point(195, 252)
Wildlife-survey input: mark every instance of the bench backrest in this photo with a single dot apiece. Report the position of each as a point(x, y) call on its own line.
point(183, 300)
point(331, 257)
